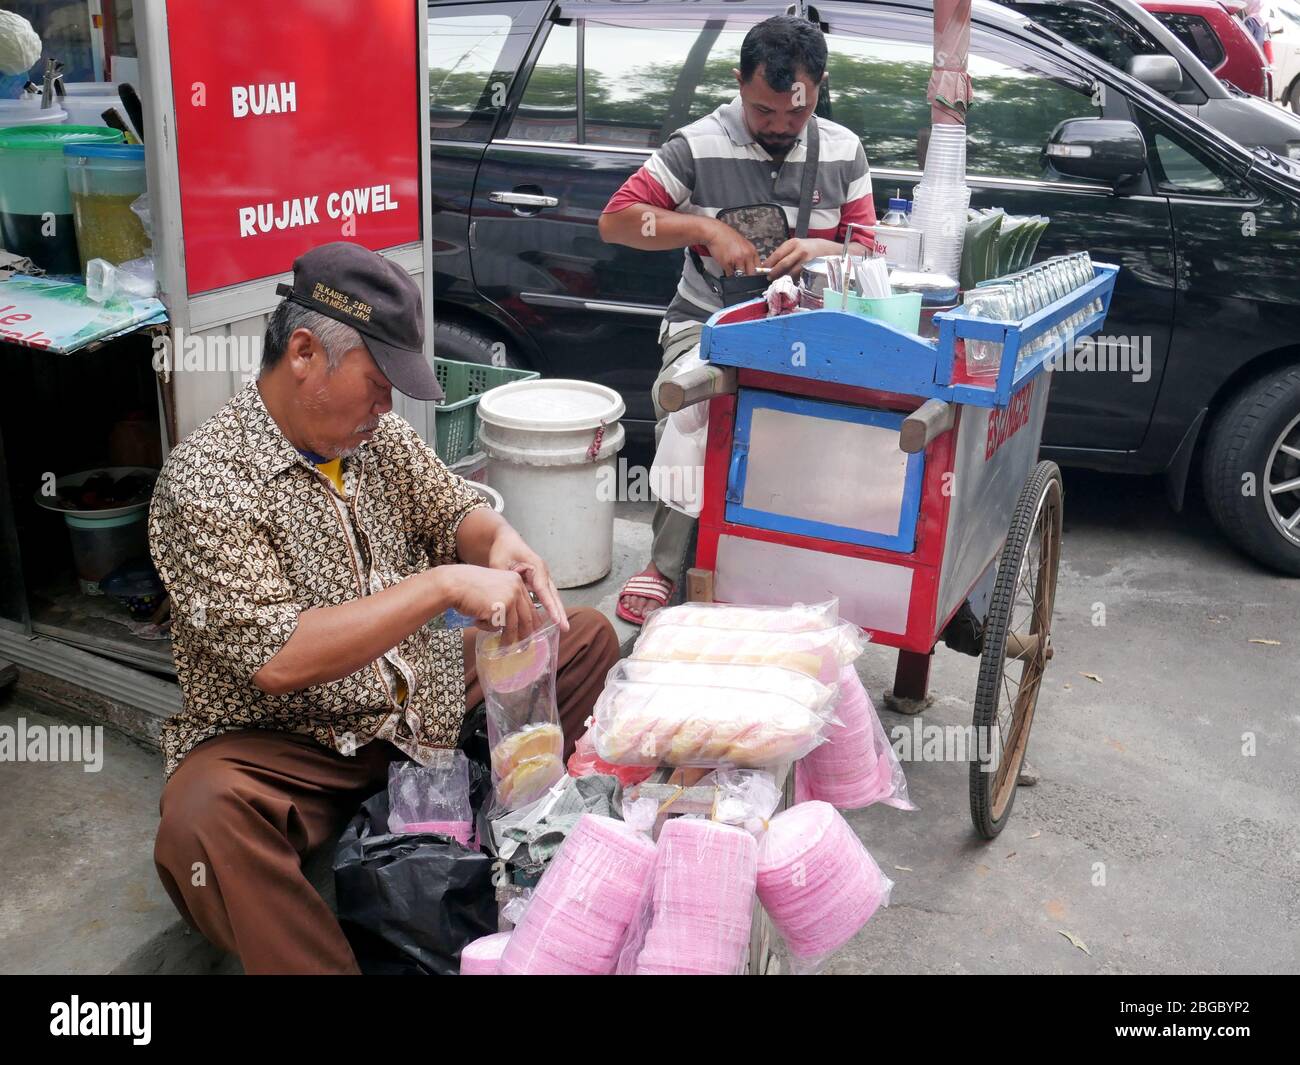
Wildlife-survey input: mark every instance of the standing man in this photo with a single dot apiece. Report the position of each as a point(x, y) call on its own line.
point(752, 150)
point(307, 536)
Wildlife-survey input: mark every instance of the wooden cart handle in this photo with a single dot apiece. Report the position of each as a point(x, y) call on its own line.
point(696, 386)
point(931, 420)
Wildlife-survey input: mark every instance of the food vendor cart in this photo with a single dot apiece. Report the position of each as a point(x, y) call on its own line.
point(848, 458)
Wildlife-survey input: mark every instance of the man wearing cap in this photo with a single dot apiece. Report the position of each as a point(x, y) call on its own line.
point(307, 536)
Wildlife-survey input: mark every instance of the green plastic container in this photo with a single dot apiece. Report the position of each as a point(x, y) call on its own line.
point(902, 311)
point(35, 205)
point(456, 420)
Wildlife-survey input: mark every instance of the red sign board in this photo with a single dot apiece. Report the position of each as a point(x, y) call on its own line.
point(297, 123)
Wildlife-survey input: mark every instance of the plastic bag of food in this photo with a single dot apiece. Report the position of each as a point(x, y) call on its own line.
point(856, 766)
point(797, 618)
point(817, 882)
point(819, 653)
point(584, 762)
point(701, 714)
point(577, 920)
point(525, 741)
point(433, 797)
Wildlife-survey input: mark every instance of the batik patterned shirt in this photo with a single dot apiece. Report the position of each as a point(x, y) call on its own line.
point(247, 534)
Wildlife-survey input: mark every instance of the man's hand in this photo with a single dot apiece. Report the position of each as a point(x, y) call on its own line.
point(733, 253)
point(486, 539)
point(511, 553)
point(494, 598)
point(790, 257)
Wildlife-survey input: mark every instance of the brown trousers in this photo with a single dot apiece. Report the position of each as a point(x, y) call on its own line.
point(244, 807)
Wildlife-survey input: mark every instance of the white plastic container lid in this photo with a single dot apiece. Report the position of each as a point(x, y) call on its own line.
point(552, 405)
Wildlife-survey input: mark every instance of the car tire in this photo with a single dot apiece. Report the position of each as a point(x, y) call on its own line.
point(451, 340)
point(1244, 454)
point(1293, 96)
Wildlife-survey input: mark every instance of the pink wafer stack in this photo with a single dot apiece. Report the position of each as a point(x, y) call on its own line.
point(816, 880)
point(845, 771)
point(581, 909)
point(703, 900)
point(483, 956)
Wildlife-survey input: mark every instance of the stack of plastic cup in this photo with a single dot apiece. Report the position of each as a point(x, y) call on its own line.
point(483, 956)
point(582, 906)
point(845, 771)
point(941, 200)
point(817, 881)
point(703, 900)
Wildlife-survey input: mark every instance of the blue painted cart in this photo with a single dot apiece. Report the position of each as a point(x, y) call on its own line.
point(847, 458)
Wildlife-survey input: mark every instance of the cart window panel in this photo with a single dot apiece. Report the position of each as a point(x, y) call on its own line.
point(874, 595)
point(794, 458)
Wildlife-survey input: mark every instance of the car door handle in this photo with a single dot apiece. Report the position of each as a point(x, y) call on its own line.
point(524, 199)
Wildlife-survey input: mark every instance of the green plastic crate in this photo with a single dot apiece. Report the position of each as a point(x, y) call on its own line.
point(456, 418)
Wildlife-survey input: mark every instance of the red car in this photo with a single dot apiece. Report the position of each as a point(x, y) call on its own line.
point(1219, 39)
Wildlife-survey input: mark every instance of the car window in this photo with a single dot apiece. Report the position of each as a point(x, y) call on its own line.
point(641, 83)
point(1180, 167)
point(877, 87)
point(1104, 36)
point(472, 54)
point(548, 109)
point(1195, 32)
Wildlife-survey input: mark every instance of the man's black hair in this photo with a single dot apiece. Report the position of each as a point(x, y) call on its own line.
point(784, 46)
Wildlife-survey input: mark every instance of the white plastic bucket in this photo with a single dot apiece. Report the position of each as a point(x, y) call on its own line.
point(552, 448)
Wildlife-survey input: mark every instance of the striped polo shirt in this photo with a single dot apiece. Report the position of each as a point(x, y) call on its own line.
point(716, 163)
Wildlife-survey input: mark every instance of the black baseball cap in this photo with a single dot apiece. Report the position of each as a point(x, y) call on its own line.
point(375, 296)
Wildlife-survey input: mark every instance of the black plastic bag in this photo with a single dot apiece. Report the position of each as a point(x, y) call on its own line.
point(410, 902)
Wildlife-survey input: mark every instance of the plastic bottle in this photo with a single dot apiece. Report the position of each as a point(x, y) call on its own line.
point(897, 213)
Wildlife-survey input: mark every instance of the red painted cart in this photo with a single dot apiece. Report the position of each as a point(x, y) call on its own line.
point(849, 459)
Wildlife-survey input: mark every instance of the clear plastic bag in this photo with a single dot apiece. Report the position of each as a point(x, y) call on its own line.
point(433, 797)
point(746, 798)
point(577, 921)
point(584, 761)
point(797, 618)
point(525, 741)
point(817, 882)
point(702, 714)
point(856, 766)
point(701, 902)
point(819, 653)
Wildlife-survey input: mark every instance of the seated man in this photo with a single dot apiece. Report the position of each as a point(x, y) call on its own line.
point(307, 535)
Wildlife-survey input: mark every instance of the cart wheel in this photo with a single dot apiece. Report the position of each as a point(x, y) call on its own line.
point(1017, 646)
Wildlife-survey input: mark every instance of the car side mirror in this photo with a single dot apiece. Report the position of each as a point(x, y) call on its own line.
point(1097, 149)
point(1160, 72)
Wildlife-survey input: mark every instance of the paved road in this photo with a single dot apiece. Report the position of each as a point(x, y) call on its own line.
point(1152, 837)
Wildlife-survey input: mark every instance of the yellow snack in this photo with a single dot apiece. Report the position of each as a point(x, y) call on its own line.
point(532, 741)
point(529, 780)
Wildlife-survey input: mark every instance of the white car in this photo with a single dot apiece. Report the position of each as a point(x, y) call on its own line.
point(1284, 22)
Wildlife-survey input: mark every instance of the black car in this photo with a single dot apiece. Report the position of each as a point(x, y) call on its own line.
point(1131, 38)
point(541, 109)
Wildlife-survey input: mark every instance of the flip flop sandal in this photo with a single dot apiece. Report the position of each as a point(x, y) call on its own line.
point(644, 586)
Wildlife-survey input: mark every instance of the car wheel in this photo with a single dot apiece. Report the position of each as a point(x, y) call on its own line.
point(1293, 97)
point(1252, 470)
point(452, 340)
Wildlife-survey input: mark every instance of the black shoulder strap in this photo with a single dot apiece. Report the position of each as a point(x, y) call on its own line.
point(809, 180)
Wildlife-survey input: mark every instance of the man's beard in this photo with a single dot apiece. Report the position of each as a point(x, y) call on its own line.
point(348, 452)
point(776, 145)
